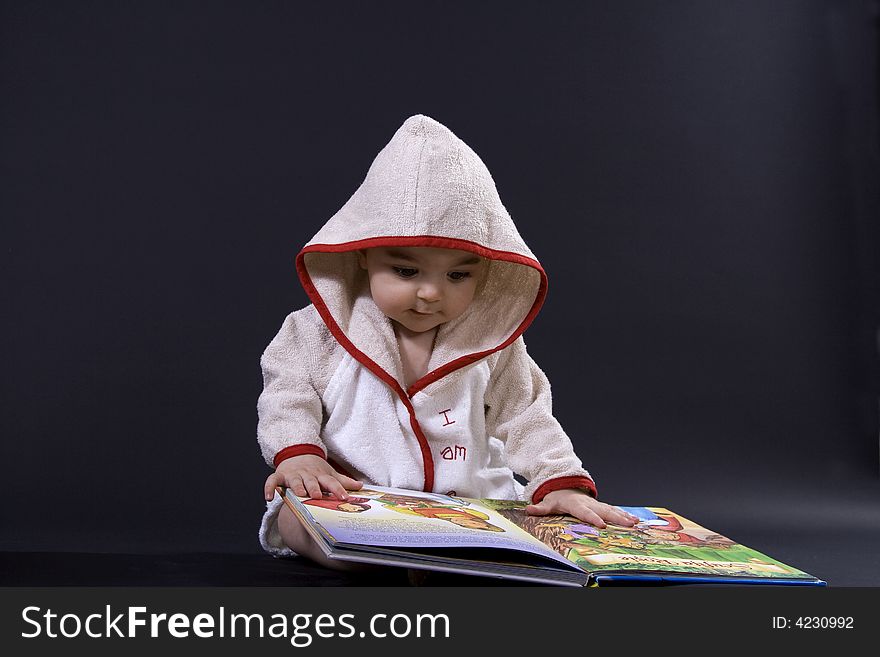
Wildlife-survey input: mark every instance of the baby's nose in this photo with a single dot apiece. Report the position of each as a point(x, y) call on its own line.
point(429, 292)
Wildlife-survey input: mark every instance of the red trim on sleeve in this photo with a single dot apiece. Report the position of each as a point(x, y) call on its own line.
point(297, 450)
point(363, 359)
point(561, 483)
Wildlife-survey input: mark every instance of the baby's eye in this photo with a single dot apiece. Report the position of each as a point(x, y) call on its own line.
point(458, 275)
point(405, 272)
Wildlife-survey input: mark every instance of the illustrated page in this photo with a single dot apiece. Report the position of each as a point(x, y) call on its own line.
point(663, 541)
point(392, 517)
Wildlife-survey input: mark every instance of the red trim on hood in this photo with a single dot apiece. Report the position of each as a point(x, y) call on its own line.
point(440, 372)
point(297, 450)
point(561, 483)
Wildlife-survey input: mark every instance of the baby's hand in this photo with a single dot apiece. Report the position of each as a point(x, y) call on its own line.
point(582, 506)
point(307, 475)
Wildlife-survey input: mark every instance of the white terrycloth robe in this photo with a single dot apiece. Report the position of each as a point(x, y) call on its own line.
point(333, 378)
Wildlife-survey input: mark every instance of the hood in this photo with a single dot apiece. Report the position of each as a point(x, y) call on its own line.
point(425, 188)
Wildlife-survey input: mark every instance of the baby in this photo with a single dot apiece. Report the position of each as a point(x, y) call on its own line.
point(408, 369)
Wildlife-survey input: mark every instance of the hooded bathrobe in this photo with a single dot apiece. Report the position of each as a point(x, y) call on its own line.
point(333, 378)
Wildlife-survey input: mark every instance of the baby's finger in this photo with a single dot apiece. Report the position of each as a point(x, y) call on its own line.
point(295, 484)
point(272, 480)
point(539, 509)
point(587, 514)
point(313, 488)
point(348, 482)
point(619, 517)
point(636, 520)
point(330, 484)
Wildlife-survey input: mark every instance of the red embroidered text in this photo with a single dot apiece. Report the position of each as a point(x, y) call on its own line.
point(454, 453)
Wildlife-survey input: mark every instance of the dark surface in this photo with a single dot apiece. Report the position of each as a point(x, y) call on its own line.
point(76, 569)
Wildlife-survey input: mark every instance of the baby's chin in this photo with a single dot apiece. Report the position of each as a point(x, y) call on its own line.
point(418, 325)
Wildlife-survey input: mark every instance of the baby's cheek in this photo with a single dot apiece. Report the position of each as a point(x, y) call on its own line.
point(388, 300)
point(462, 301)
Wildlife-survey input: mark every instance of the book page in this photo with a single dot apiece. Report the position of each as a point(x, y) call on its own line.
point(662, 542)
point(393, 517)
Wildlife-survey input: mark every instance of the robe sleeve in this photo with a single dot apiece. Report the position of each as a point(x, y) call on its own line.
point(290, 410)
point(520, 413)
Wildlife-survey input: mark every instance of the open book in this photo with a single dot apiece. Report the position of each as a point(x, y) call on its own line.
point(495, 538)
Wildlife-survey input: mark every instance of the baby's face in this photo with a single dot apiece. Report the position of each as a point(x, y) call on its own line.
point(420, 287)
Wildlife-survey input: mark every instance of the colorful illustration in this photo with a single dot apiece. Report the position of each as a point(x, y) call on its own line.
point(662, 541)
point(351, 505)
point(412, 501)
point(447, 508)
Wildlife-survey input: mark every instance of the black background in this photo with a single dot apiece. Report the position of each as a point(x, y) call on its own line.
point(697, 178)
